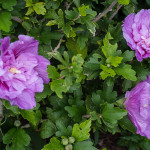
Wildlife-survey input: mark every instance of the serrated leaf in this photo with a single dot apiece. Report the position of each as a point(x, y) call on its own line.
point(18, 137)
point(82, 39)
point(70, 14)
point(58, 87)
point(53, 145)
point(126, 124)
point(108, 49)
point(81, 131)
point(115, 60)
point(29, 11)
point(112, 114)
point(52, 72)
point(82, 10)
point(74, 48)
point(27, 25)
point(52, 22)
point(28, 3)
point(106, 72)
point(33, 117)
point(84, 145)
point(124, 2)
point(5, 21)
point(47, 129)
point(75, 112)
point(91, 27)
point(8, 4)
point(39, 8)
point(126, 71)
point(77, 3)
point(128, 56)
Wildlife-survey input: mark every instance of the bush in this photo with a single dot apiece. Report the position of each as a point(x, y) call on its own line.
point(91, 69)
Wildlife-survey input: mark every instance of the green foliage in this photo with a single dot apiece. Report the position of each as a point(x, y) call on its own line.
point(91, 68)
point(18, 139)
point(81, 131)
point(5, 22)
point(53, 145)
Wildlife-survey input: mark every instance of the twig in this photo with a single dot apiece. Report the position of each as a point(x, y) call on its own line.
point(86, 116)
point(17, 19)
point(113, 15)
point(67, 5)
point(76, 18)
point(61, 77)
point(100, 15)
point(57, 47)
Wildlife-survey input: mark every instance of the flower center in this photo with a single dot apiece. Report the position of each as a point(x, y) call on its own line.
point(14, 70)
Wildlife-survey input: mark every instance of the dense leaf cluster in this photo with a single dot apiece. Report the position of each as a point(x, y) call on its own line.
point(91, 69)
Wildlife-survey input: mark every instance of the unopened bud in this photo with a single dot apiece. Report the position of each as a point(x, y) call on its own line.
point(108, 65)
point(17, 123)
point(68, 147)
point(65, 141)
point(71, 140)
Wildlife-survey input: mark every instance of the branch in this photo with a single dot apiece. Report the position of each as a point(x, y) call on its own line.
point(76, 18)
point(67, 5)
point(100, 15)
point(17, 19)
point(113, 15)
point(57, 47)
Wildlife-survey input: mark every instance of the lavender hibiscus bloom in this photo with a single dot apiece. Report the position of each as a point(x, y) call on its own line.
point(22, 71)
point(136, 31)
point(138, 106)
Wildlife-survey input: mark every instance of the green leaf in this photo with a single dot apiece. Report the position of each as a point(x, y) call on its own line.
point(124, 2)
point(29, 11)
point(126, 71)
point(47, 129)
point(28, 3)
point(39, 8)
point(112, 114)
point(5, 21)
point(27, 25)
point(46, 92)
point(62, 129)
point(106, 72)
point(114, 60)
point(8, 4)
point(77, 3)
point(60, 18)
point(126, 124)
point(128, 56)
point(82, 39)
point(75, 112)
point(82, 10)
point(108, 49)
point(52, 22)
point(53, 145)
point(52, 72)
point(74, 48)
point(33, 117)
point(81, 131)
point(18, 137)
point(70, 14)
point(58, 87)
point(84, 145)
point(91, 27)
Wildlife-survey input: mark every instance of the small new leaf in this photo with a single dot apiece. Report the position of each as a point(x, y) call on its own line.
point(81, 131)
point(115, 60)
point(123, 2)
point(39, 8)
point(53, 145)
point(108, 49)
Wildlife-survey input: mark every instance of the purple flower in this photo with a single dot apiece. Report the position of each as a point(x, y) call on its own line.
point(136, 31)
point(138, 106)
point(22, 71)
